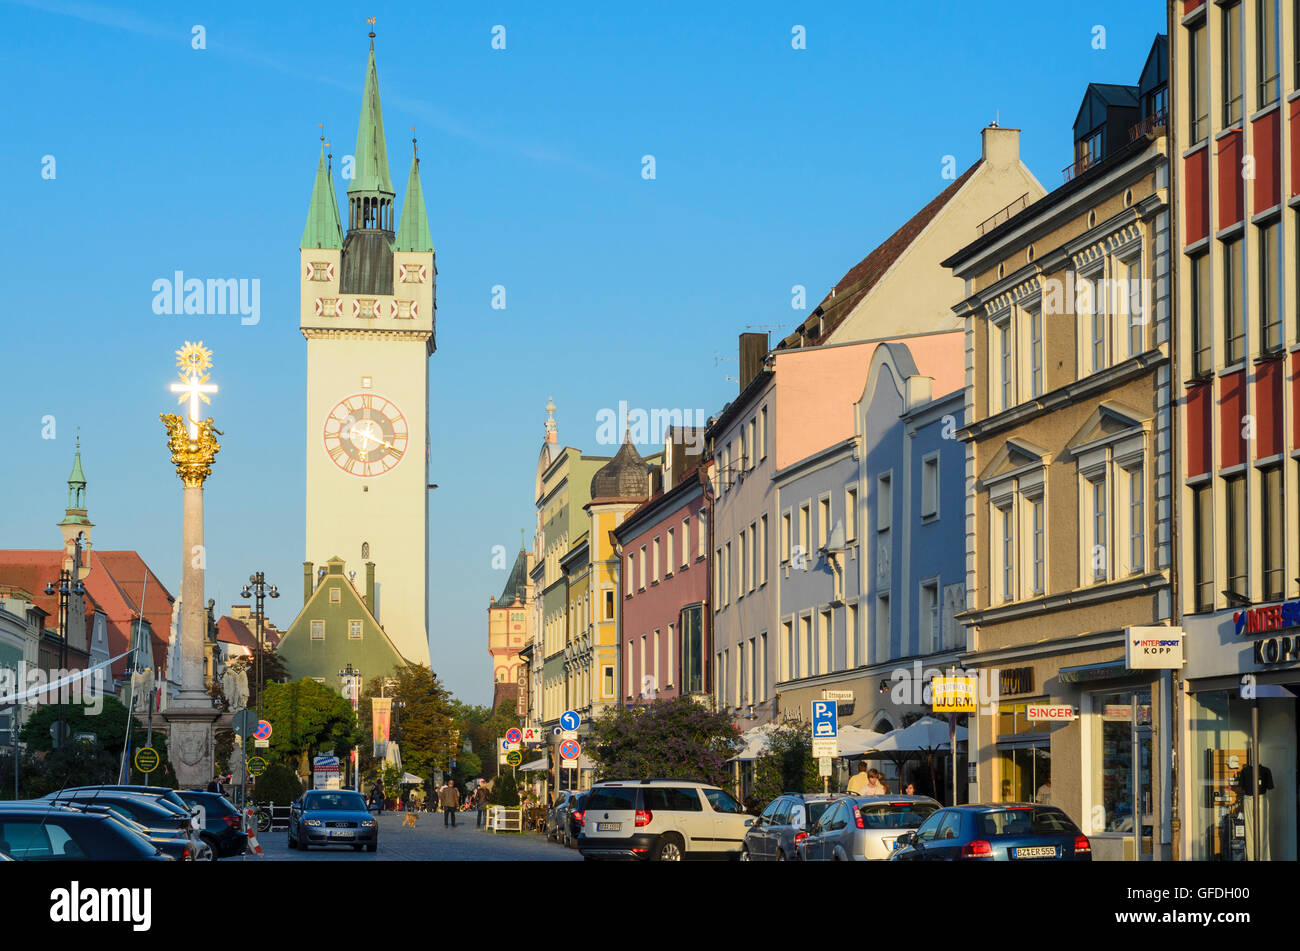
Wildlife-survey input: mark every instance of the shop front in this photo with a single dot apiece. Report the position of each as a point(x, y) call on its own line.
point(1242, 678)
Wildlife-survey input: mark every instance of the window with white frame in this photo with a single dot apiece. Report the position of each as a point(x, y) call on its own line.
point(717, 579)
point(742, 458)
point(1037, 545)
point(671, 669)
point(701, 521)
point(1110, 452)
point(1096, 531)
point(1135, 524)
point(1127, 288)
point(850, 513)
point(668, 561)
point(655, 576)
point(631, 575)
point(882, 628)
point(760, 670)
point(762, 548)
point(743, 568)
point(823, 520)
point(853, 637)
point(884, 501)
point(753, 555)
point(751, 457)
point(1002, 350)
point(726, 573)
point(655, 663)
point(805, 527)
point(786, 648)
point(930, 485)
point(354, 630)
point(641, 565)
point(826, 649)
point(1004, 521)
point(686, 541)
point(318, 630)
point(1037, 352)
point(762, 433)
point(930, 628)
point(785, 537)
point(804, 658)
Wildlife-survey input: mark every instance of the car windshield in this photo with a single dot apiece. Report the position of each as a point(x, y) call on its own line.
point(334, 800)
point(612, 797)
point(895, 815)
point(1024, 820)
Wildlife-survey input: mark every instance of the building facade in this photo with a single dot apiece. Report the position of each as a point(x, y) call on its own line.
point(367, 313)
point(1069, 502)
point(509, 629)
point(1235, 138)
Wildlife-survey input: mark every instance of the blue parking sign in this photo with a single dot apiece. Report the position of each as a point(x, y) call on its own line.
point(825, 718)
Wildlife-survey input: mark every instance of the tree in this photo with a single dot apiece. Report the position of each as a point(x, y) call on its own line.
point(279, 785)
point(676, 737)
point(107, 722)
point(505, 792)
point(307, 718)
point(786, 763)
point(424, 729)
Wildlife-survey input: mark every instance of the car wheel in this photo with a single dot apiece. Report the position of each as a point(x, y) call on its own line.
point(744, 853)
point(207, 850)
point(669, 848)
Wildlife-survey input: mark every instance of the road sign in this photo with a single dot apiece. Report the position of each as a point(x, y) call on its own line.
point(824, 746)
point(569, 764)
point(825, 719)
point(256, 766)
point(262, 731)
point(146, 759)
point(244, 723)
point(556, 731)
point(839, 696)
point(824, 766)
point(570, 749)
point(570, 721)
point(262, 744)
point(514, 758)
point(513, 735)
point(568, 735)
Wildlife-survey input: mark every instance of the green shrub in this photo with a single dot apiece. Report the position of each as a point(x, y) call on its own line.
point(279, 785)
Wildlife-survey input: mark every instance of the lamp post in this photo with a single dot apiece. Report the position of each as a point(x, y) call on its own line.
point(67, 585)
point(351, 678)
point(259, 591)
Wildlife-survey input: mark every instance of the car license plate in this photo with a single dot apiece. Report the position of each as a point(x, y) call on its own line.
point(1036, 852)
point(341, 833)
point(608, 826)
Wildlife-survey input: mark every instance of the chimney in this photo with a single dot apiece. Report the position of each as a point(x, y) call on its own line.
point(307, 586)
point(1001, 147)
point(370, 586)
point(753, 348)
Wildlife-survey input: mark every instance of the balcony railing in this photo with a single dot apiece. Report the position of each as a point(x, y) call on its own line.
point(1071, 172)
point(1157, 120)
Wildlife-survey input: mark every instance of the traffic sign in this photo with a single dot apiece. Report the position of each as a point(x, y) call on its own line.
point(825, 719)
point(825, 746)
point(570, 721)
point(262, 744)
point(570, 749)
point(244, 722)
point(824, 765)
point(256, 766)
point(514, 758)
point(146, 759)
point(569, 764)
point(262, 731)
point(513, 735)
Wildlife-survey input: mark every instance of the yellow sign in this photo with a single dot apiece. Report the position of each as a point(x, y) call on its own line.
point(514, 758)
point(146, 759)
point(954, 694)
point(256, 766)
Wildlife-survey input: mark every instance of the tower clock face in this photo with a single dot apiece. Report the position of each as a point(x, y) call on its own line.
point(366, 435)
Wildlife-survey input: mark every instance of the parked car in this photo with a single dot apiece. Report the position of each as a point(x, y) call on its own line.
point(221, 822)
point(775, 835)
point(159, 815)
point(332, 817)
point(860, 828)
point(574, 808)
point(165, 793)
point(665, 820)
point(179, 844)
point(37, 830)
point(1001, 832)
point(555, 815)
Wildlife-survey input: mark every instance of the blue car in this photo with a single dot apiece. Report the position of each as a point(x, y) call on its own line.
point(332, 817)
point(999, 832)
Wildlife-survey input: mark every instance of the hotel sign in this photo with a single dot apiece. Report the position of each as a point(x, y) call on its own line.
point(1153, 648)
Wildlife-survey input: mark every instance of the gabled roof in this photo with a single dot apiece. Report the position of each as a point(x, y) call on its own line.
point(863, 276)
point(1110, 418)
point(231, 630)
point(1015, 453)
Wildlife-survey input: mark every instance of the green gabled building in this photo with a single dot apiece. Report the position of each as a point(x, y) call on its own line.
point(335, 628)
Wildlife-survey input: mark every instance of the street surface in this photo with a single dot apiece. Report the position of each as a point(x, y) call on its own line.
point(427, 842)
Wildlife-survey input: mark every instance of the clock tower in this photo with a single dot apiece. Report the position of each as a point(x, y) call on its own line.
point(367, 313)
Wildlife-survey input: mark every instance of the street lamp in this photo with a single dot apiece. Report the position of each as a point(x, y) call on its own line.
point(66, 586)
point(258, 589)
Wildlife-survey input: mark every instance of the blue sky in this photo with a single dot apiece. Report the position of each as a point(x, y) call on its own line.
point(774, 167)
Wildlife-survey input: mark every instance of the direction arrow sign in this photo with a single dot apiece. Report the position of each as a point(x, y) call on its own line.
point(262, 730)
point(569, 721)
point(570, 749)
point(825, 719)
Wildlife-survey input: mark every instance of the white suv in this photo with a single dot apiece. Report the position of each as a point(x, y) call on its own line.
point(664, 820)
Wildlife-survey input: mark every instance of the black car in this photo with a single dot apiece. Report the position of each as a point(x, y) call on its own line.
point(996, 832)
point(165, 793)
point(220, 825)
point(332, 817)
point(555, 816)
point(571, 818)
point(179, 845)
point(161, 817)
point(38, 831)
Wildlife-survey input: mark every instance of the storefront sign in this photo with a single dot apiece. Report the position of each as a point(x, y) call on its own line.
point(1272, 617)
point(839, 696)
point(1153, 648)
point(954, 694)
point(1016, 680)
point(1049, 712)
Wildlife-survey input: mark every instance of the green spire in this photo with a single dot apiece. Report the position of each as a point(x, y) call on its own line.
point(76, 492)
point(413, 233)
point(323, 229)
point(371, 159)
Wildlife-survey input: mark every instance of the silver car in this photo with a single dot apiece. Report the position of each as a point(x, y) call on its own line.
point(861, 828)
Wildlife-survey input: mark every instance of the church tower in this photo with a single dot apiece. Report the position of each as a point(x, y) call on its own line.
point(76, 521)
point(367, 313)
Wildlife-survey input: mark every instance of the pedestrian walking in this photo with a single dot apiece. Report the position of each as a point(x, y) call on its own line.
point(449, 798)
point(480, 802)
point(377, 796)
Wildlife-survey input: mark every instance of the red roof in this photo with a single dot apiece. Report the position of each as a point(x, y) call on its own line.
point(235, 631)
point(113, 585)
point(863, 276)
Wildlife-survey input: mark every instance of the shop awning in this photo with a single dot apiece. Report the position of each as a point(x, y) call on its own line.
point(1111, 670)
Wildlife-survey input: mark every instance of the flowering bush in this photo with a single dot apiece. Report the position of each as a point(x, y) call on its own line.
point(677, 737)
